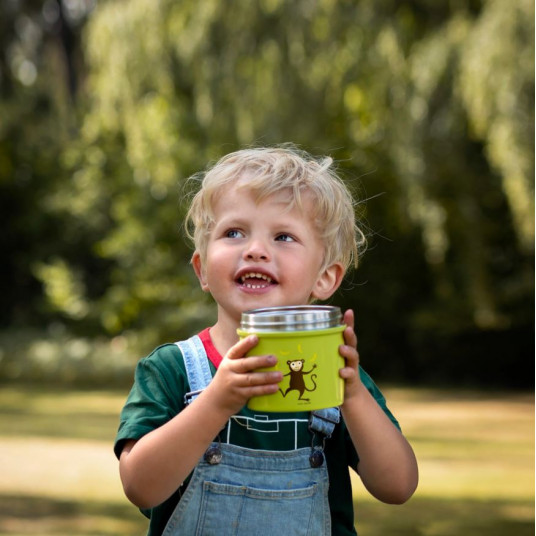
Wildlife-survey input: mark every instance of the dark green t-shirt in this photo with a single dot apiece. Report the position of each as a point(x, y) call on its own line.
point(158, 395)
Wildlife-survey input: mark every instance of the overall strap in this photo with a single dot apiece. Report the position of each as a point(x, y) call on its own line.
point(197, 367)
point(322, 421)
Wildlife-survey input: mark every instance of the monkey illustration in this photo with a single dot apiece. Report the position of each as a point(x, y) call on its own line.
point(297, 382)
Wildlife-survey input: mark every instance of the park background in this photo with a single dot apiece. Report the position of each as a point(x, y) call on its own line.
point(427, 106)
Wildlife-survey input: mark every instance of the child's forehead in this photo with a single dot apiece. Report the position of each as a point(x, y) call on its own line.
point(286, 200)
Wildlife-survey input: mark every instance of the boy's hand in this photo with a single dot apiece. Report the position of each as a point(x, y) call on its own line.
point(350, 373)
point(237, 378)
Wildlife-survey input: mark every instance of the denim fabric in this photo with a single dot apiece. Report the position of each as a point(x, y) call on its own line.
point(324, 420)
point(253, 493)
point(197, 367)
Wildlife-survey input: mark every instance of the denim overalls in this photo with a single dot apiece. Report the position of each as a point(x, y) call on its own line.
point(245, 492)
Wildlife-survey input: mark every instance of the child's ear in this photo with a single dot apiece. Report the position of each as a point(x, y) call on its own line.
point(199, 271)
point(328, 281)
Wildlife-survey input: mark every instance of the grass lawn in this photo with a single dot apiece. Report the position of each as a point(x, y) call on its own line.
point(475, 451)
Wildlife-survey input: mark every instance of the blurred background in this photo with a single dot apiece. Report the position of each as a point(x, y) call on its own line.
point(108, 106)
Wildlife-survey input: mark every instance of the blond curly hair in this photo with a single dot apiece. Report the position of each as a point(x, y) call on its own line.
point(271, 170)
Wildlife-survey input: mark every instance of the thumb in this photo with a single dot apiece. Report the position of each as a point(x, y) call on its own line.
point(242, 347)
point(349, 318)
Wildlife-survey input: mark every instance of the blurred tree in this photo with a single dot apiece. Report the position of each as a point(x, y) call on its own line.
point(428, 106)
point(40, 62)
point(499, 102)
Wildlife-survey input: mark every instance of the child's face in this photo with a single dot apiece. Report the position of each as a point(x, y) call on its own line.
point(263, 255)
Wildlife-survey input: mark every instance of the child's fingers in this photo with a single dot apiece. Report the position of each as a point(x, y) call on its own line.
point(252, 363)
point(242, 347)
point(253, 379)
point(349, 318)
point(240, 364)
point(348, 373)
point(264, 389)
point(350, 338)
point(350, 355)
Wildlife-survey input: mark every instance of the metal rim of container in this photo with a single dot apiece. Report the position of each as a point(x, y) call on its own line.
point(291, 318)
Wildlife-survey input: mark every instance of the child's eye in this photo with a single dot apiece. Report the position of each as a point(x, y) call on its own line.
point(233, 233)
point(283, 237)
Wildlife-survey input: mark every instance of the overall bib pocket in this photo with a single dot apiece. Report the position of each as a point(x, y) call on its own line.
point(228, 509)
point(254, 493)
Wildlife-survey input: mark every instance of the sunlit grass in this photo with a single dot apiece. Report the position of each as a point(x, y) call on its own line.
point(475, 452)
point(60, 413)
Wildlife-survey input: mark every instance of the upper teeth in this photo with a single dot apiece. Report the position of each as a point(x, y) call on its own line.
point(255, 275)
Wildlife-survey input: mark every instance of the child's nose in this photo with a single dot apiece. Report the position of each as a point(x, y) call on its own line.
point(256, 250)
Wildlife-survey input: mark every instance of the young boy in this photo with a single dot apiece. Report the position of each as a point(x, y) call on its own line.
point(271, 227)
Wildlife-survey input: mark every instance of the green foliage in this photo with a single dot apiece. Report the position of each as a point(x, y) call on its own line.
point(428, 107)
point(499, 102)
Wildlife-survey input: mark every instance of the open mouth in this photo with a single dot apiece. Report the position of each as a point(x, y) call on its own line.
point(255, 280)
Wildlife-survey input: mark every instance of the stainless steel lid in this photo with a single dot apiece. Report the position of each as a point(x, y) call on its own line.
point(294, 318)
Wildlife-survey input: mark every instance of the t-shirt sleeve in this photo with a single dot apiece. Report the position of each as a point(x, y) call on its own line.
point(377, 394)
point(160, 382)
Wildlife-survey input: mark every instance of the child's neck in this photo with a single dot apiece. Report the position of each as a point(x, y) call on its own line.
point(224, 336)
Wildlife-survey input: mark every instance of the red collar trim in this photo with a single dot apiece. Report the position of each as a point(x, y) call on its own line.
point(214, 356)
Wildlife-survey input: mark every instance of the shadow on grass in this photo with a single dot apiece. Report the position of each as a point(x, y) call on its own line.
point(39, 516)
point(420, 517)
point(437, 517)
